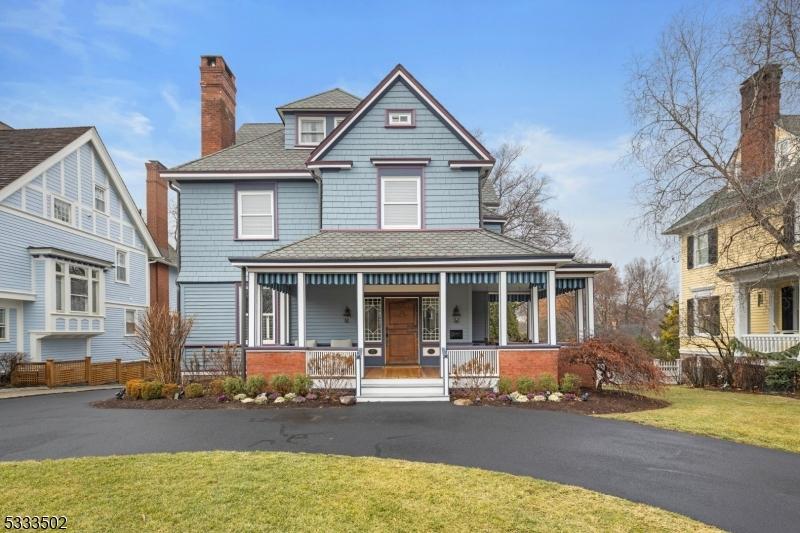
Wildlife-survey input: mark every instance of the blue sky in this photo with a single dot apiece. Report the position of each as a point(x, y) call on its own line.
point(548, 74)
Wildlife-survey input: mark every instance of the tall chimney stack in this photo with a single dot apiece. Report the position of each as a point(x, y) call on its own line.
point(761, 107)
point(158, 224)
point(217, 105)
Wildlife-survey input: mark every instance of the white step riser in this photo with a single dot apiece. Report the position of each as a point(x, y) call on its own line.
point(430, 382)
point(368, 399)
point(397, 391)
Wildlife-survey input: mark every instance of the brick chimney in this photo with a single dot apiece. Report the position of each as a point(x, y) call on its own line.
point(158, 224)
point(217, 105)
point(761, 104)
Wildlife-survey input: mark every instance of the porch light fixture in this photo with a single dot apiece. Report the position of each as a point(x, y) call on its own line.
point(346, 314)
point(456, 314)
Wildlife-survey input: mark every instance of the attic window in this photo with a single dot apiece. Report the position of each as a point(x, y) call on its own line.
point(400, 118)
point(311, 130)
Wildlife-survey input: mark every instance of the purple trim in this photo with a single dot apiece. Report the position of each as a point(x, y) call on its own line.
point(389, 161)
point(382, 174)
point(236, 287)
point(255, 186)
point(400, 126)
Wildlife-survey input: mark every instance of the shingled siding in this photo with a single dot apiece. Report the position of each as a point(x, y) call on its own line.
point(350, 198)
point(290, 133)
point(325, 313)
point(208, 225)
point(212, 306)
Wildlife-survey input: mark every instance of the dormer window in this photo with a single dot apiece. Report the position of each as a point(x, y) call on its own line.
point(337, 121)
point(311, 130)
point(400, 118)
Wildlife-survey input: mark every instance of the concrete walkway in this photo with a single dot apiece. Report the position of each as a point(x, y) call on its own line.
point(22, 392)
point(733, 486)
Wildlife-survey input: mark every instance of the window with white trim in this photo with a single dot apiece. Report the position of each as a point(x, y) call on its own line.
point(701, 249)
point(62, 210)
point(130, 322)
point(256, 215)
point(78, 289)
point(267, 316)
point(121, 266)
point(100, 198)
point(430, 318)
point(373, 319)
point(400, 118)
point(400, 202)
point(311, 130)
point(3, 324)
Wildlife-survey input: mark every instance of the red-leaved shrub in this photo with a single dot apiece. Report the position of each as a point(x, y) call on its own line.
point(616, 360)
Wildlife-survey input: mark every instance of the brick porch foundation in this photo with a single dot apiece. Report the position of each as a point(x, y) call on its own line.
point(515, 364)
point(269, 364)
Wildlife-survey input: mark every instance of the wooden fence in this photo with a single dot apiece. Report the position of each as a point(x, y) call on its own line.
point(79, 372)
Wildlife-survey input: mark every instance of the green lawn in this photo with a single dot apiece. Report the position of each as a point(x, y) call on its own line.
point(228, 491)
point(758, 419)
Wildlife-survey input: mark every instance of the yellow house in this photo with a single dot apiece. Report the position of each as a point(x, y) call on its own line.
point(735, 279)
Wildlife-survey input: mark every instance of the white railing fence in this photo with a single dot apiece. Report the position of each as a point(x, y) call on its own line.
point(671, 370)
point(770, 343)
point(473, 363)
point(331, 363)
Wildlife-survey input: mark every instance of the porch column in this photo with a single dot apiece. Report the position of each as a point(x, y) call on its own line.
point(740, 318)
point(243, 303)
point(301, 309)
point(360, 326)
point(551, 307)
point(252, 310)
point(579, 314)
point(502, 306)
point(533, 314)
point(444, 362)
point(590, 307)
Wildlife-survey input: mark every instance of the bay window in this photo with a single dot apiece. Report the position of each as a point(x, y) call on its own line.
point(77, 289)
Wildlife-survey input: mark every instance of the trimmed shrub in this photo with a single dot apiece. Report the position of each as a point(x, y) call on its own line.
point(193, 390)
point(282, 384)
point(749, 375)
point(151, 390)
point(525, 385)
point(215, 387)
point(232, 386)
point(546, 382)
point(255, 385)
point(505, 386)
point(783, 377)
point(302, 384)
point(169, 389)
point(133, 389)
point(570, 382)
point(706, 373)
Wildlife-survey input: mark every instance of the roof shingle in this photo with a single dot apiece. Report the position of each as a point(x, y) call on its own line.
point(335, 99)
point(23, 149)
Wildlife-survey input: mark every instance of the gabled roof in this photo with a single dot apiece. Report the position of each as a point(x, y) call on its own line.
point(407, 245)
point(400, 73)
point(254, 130)
point(333, 100)
point(266, 153)
point(47, 142)
point(23, 149)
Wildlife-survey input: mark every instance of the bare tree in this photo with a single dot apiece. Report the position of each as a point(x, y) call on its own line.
point(647, 291)
point(524, 193)
point(607, 300)
point(688, 107)
point(161, 337)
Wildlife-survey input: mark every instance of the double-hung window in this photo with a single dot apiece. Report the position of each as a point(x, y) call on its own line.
point(3, 324)
point(100, 198)
point(256, 215)
point(130, 322)
point(311, 130)
point(121, 266)
point(62, 210)
point(401, 202)
point(77, 289)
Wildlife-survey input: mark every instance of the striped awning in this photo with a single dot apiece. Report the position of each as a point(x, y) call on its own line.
point(471, 278)
point(401, 278)
point(277, 278)
point(527, 278)
point(570, 284)
point(330, 279)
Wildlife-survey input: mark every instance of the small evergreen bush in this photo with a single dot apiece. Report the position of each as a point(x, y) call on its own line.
point(282, 384)
point(169, 389)
point(232, 386)
point(151, 390)
point(133, 389)
point(255, 385)
point(546, 382)
point(193, 390)
point(215, 387)
point(783, 377)
point(302, 384)
point(570, 382)
point(525, 385)
point(505, 386)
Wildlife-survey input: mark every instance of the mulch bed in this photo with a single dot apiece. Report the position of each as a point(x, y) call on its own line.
point(211, 402)
point(599, 403)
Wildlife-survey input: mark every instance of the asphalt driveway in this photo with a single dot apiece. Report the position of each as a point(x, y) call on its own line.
point(734, 486)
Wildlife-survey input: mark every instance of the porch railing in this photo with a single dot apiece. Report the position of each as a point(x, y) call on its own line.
point(331, 363)
point(770, 343)
point(473, 363)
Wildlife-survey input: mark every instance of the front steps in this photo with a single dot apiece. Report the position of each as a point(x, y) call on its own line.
point(403, 390)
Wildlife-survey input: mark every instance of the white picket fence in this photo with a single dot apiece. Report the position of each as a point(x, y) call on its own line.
point(484, 359)
point(671, 370)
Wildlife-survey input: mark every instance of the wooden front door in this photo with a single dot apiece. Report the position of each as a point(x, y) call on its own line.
point(402, 340)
